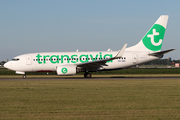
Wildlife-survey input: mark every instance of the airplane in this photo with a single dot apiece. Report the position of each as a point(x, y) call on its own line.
point(70, 63)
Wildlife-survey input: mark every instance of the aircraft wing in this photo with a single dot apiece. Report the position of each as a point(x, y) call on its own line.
point(93, 65)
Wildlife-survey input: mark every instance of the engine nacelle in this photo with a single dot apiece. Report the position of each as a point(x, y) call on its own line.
point(66, 70)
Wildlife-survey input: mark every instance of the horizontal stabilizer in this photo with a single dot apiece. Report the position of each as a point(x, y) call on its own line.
point(161, 53)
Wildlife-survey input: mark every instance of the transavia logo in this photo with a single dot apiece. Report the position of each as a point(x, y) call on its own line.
point(64, 70)
point(74, 58)
point(154, 38)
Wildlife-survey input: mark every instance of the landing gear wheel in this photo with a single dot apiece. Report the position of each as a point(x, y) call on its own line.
point(87, 75)
point(24, 76)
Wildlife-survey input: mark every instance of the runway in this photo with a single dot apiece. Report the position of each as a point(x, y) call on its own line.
point(88, 79)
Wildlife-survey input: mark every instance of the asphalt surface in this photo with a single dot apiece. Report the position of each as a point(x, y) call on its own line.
point(76, 78)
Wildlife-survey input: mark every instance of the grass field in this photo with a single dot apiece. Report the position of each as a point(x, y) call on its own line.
point(143, 99)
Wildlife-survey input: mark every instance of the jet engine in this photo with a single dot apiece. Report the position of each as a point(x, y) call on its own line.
point(66, 70)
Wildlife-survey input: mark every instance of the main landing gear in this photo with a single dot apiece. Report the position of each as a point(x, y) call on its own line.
point(87, 75)
point(24, 76)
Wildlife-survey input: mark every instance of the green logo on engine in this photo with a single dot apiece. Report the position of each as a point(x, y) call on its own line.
point(154, 38)
point(64, 70)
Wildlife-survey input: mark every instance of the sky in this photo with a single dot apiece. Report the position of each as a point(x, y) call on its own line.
point(28, 26)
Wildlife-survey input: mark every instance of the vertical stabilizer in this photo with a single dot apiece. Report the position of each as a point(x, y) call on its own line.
point(153, 39)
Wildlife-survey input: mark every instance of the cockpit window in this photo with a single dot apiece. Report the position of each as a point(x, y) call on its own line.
point(15, 59)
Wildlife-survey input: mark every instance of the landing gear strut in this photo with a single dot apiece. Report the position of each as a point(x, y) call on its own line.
point(87, 75)
point(24, 76)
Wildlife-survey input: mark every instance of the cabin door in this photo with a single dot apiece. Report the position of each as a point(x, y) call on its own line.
point(134, 58)
point(28, 60)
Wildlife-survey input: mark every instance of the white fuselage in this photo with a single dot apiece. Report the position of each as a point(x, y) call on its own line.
point(48, 61)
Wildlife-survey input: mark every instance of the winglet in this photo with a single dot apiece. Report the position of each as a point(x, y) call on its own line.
point(121, 52)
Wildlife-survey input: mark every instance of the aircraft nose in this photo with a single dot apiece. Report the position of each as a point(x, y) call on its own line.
point(7, 65)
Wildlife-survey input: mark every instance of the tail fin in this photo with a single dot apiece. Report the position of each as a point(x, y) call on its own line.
point(153, 39)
